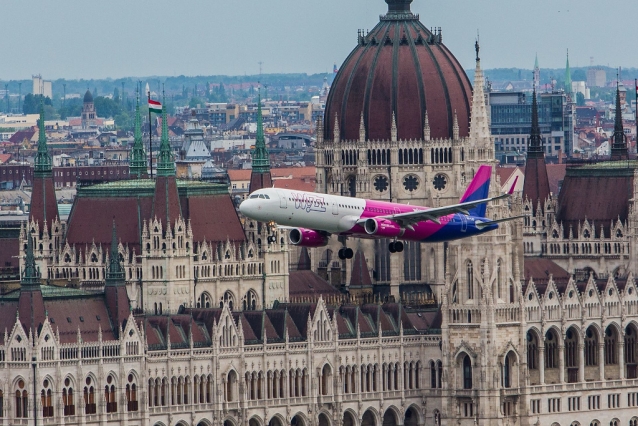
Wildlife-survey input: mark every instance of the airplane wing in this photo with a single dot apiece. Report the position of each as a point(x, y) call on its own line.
point(481, 224)
point(408, 219)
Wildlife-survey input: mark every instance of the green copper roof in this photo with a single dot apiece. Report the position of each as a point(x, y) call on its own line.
point(261, 160)
point(43, 163)
point(165, 160)
point(146, 188)
point(138, 156)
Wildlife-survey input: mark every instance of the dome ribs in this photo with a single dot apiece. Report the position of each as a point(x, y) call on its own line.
point(463, 115)
point(416, 130)
point(345, 105)
point(379, 93)
point(446, 93)
point(400, 68)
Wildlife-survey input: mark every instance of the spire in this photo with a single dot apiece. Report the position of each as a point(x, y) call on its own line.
point(536, 183)
point(261, 160)
point(568, 77)
point(426, 127)
point(362, 129)
point(619, 146)
point(137, 164)
point(165, 161)
point(115, 273)
point(535, 146)
point(479, 123)
point(537, 75)
point(30, 279)
point(42, 165)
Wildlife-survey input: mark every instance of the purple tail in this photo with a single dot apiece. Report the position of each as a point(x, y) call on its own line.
point(478, 190)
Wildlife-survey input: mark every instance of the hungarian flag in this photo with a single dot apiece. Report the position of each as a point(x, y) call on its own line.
point(154, 106)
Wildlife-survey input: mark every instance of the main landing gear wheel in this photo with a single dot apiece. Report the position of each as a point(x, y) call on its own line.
point(272, 239)
point(346, 253)
point(395, 247)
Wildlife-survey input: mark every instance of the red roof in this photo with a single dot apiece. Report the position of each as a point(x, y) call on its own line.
point(536, 185)
point(296, 184)
point(399, 68)
point(44, 205)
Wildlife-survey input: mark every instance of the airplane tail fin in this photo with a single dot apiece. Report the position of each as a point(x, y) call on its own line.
point(478, 190)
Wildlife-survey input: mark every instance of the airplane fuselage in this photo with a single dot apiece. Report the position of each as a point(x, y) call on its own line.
point(345, 216)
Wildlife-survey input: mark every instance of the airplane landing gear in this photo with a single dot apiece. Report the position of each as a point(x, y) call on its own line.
point(272, 238)
point(395, 247)
point(345, 253)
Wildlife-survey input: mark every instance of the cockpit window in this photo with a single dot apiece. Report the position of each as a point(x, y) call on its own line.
point(267, 197)
point(254, 196)
point(261, 196)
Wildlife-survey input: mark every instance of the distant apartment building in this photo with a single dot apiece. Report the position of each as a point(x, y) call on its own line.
point(511, 121)
point(42, 87)
point(596, 77)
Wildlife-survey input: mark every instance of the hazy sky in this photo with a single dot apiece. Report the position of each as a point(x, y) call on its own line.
point(117, 38)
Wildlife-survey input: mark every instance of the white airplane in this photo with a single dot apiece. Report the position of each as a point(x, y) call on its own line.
point(313, 217)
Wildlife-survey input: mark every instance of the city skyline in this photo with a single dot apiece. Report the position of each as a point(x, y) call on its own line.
point(117, 39)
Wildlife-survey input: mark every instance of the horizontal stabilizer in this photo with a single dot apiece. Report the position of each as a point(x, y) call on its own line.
point(480, 224)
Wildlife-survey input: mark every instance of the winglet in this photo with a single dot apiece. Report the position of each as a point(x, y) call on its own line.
point(511, 191)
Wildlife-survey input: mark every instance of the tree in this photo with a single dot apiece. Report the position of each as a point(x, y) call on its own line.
point(116, 95)
point(31, 103)
point(580, 99)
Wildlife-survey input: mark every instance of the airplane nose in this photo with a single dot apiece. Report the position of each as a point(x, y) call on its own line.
point(244, 207)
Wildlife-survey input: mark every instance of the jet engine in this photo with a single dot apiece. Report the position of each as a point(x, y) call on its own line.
point(308, 238)
point(382, 228)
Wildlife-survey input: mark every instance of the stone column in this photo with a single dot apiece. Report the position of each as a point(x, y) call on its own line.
point(561, 362)
point(581, 361)
point(601, 359)
point(621, 357)
point(541, 362)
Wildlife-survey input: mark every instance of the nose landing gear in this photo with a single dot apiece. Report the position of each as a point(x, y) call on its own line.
point(272, 238)
point(395, 247)
point(345, 253)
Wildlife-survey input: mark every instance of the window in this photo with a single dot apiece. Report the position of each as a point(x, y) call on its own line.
point(613, 400)
point(45, 399)
point(535, 406)
point(109, 395)
point(90, 406)
point(553, 405)
point(67, 398)
point(573, 403)
point(467, 372)
point(593, 402)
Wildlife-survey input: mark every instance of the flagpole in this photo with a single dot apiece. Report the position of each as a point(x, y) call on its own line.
point(150, 131)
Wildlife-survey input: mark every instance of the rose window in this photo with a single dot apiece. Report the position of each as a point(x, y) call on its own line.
point(410, 183)
point(439, 182)
point(381, 183)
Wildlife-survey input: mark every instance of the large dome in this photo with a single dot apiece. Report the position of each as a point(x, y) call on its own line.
point(403, 68)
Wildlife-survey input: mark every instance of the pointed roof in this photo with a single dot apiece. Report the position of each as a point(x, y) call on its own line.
point(43, 163)
point(360, 273)
point(536, 62)
point(31, 303)
point(165, 160)
point(261, 160)
point(44, 205)
point(304, 260)
point(536, 185)
point(260, 176)
point(138, 156)
point(117, 301)
point(479, 122)
point(619, 144)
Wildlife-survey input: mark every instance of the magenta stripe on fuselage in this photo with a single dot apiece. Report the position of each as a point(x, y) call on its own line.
point(422, 230)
